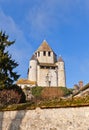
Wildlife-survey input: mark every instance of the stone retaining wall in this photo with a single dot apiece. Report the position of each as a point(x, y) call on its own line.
point(46, 119)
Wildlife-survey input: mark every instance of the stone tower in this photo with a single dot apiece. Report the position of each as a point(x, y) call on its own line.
point(45, 69)
point(45, 54)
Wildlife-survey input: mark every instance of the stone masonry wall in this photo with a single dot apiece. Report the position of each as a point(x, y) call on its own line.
point(46, 119)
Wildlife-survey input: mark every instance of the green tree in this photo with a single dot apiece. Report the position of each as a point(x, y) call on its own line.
point(7, 64)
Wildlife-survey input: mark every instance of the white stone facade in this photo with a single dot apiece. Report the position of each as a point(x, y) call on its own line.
point(45, 69)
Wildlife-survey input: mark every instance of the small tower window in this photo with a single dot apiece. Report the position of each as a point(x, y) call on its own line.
point(38, 53)
point(44, 53)
point(49, 53)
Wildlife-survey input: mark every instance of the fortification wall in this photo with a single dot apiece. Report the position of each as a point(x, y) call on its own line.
point(46, 119)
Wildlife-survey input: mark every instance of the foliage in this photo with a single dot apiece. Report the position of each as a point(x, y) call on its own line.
point(66, 91)
point(36, 91)
point(27, 88)
point(7, 75)
point(58, 102)
point(21, 106)
point(11, 95)
point(50, 92)
point(53, 103)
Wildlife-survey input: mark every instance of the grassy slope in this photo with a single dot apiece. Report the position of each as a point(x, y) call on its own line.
point(53, 103)
point(50, 100)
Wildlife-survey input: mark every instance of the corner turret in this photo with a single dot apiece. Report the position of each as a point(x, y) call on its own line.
point(60, 59)
point(32, 74)
point(61, 73)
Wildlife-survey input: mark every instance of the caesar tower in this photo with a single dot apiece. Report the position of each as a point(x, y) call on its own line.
point(45, 69)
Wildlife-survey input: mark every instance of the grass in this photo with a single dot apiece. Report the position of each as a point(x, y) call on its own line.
point(44, 104)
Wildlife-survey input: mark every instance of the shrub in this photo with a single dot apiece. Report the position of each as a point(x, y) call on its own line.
point(12, 95)
point(51, 92)
point(66, 91)
point(55, 92)
point(36, 91)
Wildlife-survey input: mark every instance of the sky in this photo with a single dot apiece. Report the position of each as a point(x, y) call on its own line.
point(64, 24)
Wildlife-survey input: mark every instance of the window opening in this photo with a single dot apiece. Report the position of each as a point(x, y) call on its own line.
point(44, 53)
point(38, 53)
point(49, 53)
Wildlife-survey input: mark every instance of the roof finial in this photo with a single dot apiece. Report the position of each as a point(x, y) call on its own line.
point(44, 40)
point(60, 59)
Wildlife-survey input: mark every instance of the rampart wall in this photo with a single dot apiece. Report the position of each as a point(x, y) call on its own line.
point(46, 119)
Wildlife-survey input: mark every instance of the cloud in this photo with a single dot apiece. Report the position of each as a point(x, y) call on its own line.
point(22, 48)
point(46, 16)
point(50, 14)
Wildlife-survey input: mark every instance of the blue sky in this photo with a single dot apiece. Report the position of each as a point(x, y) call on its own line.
point(63, 23)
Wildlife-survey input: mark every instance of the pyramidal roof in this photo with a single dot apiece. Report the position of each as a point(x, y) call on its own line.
point(44, 47)
point(60, 59)
point(33, 57)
